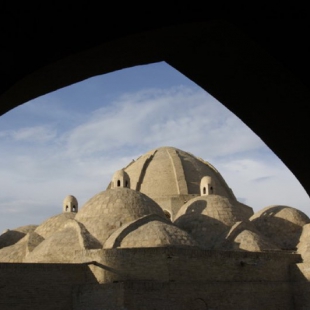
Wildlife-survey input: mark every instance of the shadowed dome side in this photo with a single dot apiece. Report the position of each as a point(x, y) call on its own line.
point(17, 252)
point(208, 218)
point(243, 236)
point(303, 246)
point(281, 224)
point(11, 236)
point(53, 224)
point(62, 245)
point(110, 209)
point(149, 231)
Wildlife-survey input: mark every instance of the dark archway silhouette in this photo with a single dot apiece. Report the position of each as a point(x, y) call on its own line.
point(257, 66)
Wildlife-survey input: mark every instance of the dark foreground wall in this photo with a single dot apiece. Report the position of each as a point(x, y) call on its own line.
point(40, 286)
point(176, 279)
point(144, 295)
point(157, 278)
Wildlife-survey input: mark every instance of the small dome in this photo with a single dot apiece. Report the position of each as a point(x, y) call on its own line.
point(10, 237)
point(62, 245)
point(149, 231)
point(110, 209)
point(17, 252)
point(281, 224)
point(207, 218)
point(244, 236)
point(251, 241)
point(70, 204)
point(53, 224)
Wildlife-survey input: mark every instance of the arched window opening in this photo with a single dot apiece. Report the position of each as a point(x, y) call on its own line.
point(118, 183)
point(67, 207)
point(73, 208)
point(204, 190)
point(211, 190)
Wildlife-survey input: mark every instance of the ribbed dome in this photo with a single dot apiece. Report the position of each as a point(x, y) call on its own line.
point(281, 224)
point(110, 209)
point(168, 171)
point(207, 218)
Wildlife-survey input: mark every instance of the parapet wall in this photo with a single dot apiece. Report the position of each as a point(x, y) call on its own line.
point(184, 264)
point(166, 278)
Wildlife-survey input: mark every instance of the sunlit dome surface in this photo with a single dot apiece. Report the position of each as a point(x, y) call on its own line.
point(169, 171)
point(110, 209)
point(281, 224)
point(208, 218)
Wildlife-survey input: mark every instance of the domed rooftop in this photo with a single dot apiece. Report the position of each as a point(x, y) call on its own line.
point(208, 218)
point(244, 236)
point(62, 245)
point(169, 172)
point(281, 224)
point(11, 236)
point(149, 231)
point(18, 251)
point(110, 209)
point(53, 224)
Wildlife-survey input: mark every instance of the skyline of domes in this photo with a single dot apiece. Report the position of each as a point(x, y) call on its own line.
point(178, 178)
point(189, 205)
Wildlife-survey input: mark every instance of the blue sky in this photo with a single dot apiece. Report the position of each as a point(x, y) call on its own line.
point(71, 141)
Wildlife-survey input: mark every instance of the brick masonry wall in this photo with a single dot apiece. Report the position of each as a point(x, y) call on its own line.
point(158, 278)
point(153, 295)
point(40, 286)
point(195, 265)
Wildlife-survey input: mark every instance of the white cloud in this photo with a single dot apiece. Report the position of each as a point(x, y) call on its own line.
point(36, 134)
point(154, 118)
point(41, 165)
point(259, 183)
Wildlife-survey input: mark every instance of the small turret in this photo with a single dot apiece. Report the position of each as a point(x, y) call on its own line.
point(206, 186)
point(70, 204)
point(120, 179)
